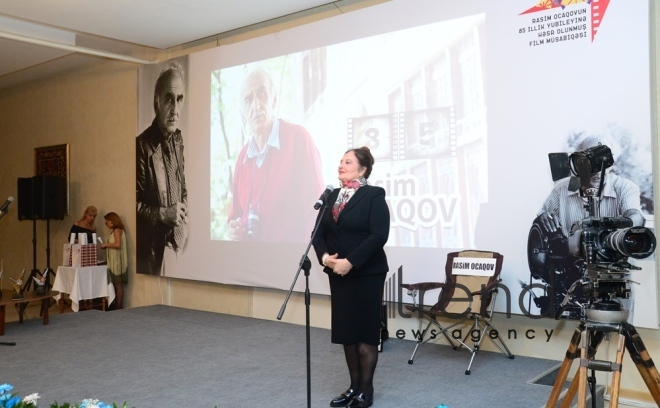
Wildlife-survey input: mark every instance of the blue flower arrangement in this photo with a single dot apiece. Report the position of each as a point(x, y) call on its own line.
point(9, 400)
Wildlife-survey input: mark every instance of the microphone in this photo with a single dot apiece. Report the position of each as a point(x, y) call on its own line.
point(3, 209)
point(324, 196)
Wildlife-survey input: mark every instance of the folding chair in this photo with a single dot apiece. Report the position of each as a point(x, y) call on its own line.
point(468, 294)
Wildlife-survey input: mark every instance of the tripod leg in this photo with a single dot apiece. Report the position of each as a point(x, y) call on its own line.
point(588, 350)
point(565, 367)
point(596, 339)
point(640, 356)
point(616, 377)
point(592, 341)
point(570, 394)
point(582, 371)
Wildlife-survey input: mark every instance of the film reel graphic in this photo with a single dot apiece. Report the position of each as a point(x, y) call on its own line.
point(379, 133)
point(421, 134)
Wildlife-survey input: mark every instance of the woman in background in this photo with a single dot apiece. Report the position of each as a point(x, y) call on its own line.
point(117, 256)
point(86, 224)
point(349, 244)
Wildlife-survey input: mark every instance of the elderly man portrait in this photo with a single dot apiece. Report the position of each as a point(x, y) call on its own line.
point(277, 175)
point(162, 214)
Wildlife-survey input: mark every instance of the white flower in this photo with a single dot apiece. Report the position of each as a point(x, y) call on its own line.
point(90, 403)
point(31, 399)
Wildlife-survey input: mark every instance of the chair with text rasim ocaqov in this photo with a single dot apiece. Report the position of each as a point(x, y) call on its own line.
point(468, 294)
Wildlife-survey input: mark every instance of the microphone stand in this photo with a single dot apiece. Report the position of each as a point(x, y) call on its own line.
point(305, 264)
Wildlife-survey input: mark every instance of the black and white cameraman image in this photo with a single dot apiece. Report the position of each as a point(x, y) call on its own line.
point(590, 224)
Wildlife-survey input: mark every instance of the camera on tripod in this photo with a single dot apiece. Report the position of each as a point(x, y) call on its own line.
point(594, 254)
point(603, 241)
point(609, 241)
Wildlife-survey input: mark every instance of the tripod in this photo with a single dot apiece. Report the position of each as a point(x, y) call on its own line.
point(604, 243)
point(36, 273)
point(584, 344)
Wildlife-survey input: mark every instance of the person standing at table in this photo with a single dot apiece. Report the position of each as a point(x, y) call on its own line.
point(86, 224)
point(350, 244)
point(116, 256)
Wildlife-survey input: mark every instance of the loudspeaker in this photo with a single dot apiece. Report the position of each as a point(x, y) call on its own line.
point(41, 198)
point(25, 202)
point(50, 196)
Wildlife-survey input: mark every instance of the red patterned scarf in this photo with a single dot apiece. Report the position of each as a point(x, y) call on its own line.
point(347, 190)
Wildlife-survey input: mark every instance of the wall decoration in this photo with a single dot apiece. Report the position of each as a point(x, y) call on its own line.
point(53, 161)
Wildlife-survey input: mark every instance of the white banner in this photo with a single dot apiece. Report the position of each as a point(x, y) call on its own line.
point(460, 101)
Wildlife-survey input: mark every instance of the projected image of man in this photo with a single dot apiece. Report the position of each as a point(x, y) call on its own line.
point(162, 214)
point(277, 175)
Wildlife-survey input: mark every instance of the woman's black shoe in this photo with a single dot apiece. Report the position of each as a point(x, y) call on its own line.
point(343, 399)
point(360, 401)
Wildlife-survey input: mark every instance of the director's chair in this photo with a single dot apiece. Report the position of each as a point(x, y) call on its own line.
point(467, 294)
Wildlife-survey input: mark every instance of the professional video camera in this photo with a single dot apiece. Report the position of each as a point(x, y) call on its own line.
point(598, 247)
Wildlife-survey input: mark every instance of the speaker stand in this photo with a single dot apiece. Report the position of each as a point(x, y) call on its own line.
point(48, 248)
point(36, 273)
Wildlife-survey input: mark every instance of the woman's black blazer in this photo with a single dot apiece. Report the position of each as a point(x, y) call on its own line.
point(360, 233)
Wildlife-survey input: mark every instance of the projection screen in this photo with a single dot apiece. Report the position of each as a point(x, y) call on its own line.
point(460, 103)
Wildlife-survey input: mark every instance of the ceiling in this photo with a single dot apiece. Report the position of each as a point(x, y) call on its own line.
point(40, 38)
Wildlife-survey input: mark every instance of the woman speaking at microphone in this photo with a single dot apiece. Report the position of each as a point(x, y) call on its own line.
point(349, 244)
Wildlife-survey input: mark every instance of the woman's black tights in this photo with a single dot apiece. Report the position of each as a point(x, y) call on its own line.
point(361, 359)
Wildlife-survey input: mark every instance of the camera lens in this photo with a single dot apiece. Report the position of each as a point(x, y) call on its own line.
point(635, 242)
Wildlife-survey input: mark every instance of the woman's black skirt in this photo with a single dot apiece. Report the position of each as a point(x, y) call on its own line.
point(356, 308)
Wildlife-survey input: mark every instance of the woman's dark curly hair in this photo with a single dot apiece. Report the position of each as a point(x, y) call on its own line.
point(365, 159)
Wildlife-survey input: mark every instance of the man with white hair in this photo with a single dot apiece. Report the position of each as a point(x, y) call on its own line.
point(278, 171)
point(162, 197)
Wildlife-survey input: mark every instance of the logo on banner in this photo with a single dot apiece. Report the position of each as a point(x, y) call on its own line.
point(556, 21)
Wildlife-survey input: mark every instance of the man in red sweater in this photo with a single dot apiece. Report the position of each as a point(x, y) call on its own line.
point(278, 172)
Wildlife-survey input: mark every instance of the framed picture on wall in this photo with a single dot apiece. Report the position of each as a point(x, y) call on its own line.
point(53, 161)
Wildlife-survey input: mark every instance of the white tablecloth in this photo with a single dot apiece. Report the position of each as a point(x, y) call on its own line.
point(90, 282)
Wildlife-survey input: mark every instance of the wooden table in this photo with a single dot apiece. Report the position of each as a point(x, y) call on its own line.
point(27, 297)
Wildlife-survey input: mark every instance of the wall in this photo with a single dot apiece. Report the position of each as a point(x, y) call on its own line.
point(94, 111)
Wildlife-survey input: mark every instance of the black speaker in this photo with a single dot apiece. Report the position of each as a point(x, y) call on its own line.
point(50, 196)
point(25, 201)
point(41, 198)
